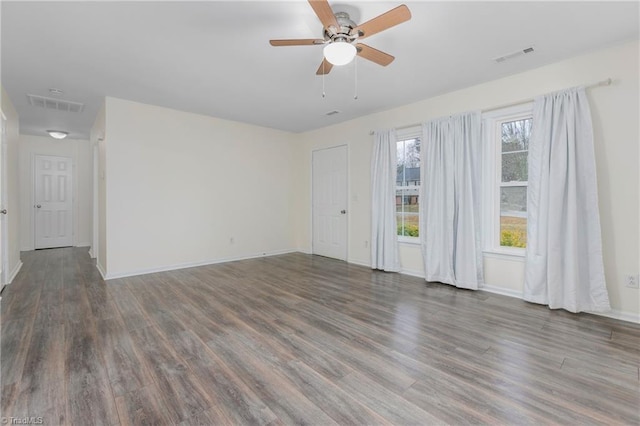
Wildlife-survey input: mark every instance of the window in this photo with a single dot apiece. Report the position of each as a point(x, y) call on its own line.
point(507, 134)
point(514, 138)
point(408, 184)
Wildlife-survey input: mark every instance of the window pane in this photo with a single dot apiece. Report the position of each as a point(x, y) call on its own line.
point(516, 134)
point(515, 137)
point(408, 156)
point(514, 166)
point(407, 206)
point(513, 216)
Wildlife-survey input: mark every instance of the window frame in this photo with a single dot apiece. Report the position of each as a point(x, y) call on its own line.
point(414, 132)
point(492, 175)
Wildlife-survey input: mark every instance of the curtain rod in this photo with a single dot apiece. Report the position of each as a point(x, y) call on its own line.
point(606, 82)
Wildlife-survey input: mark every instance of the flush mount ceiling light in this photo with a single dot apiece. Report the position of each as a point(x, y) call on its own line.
point(57, 134)
point(339, 52)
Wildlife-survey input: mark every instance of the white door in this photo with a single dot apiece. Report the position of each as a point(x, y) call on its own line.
point(53, 202)
point(4, 252)
point(329, 192)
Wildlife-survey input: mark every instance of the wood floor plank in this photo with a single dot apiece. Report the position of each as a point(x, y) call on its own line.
point(298, 339)
point(272, 387)
point(125, 368)
point(142, 406)
point(388, 404)
point(232, 398)
point(88, 388)
point(338, 404)
point(182, 395)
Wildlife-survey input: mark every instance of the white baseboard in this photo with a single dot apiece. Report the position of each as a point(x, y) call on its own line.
point(14, 272)
point(194, 264)
point(501, 290)
point(619, 315)
point(359, 262)
point(614, 313)
point(413, 273)
point(306, 250)
point(83, 244)
point(101, 270)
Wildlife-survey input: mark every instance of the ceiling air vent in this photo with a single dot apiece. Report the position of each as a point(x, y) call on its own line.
point(514, 54)
point(52, 103)
point(334, 112)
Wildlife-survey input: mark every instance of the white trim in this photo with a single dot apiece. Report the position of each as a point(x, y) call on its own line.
point(306, 250)
point(501, 290)
point(505, 255)
point(411, 132)
point(413, 273)
point(413, 241)
point(84, 244)
point(101, 270)
point(619, 315)
point(13, 273)
point(613, 313)
point(359, 262)
point(95, 232)
point(4, 203)
point(192, 264)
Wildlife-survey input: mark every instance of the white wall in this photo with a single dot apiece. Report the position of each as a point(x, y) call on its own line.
point(13, 179)
point(80, 153)
point(98, 136)
point(179, 186)
point(615, 116)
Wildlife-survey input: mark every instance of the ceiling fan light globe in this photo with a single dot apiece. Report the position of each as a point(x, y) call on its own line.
point(339, 52)
point(57, 134)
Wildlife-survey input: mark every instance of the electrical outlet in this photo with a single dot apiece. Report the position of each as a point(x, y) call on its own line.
point(631, 281)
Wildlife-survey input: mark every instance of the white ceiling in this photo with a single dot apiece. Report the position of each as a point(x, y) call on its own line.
point(214, 58)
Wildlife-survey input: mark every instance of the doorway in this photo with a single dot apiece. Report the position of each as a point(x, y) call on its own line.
point(53, 201)
point(4, 237)
point(329, 202)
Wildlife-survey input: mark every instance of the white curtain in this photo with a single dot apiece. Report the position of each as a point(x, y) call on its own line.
point(564, 267)
point(450, 200)
point(384, 239)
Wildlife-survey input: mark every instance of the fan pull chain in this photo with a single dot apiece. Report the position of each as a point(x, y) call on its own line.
point(323, 94)
point(355, 73)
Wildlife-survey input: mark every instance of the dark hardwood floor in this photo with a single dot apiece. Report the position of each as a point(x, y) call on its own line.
point(299, 339)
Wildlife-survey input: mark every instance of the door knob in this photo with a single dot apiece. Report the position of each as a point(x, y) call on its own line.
point(3, 211)
point(38, 206)
point(343, 212)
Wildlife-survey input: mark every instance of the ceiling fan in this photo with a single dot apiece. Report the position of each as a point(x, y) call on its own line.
point(342, 35)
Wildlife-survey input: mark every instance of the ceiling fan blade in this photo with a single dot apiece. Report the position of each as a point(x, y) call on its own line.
point(296, 42)
point(324, 68)
point(388, 19)
point(374, 55)
point(324, 12)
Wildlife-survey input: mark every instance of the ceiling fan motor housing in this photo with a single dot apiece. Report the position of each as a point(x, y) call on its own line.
point(344, 32)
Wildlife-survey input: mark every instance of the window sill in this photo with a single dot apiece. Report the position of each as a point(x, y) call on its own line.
point(512, 255)
point(413, 241)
